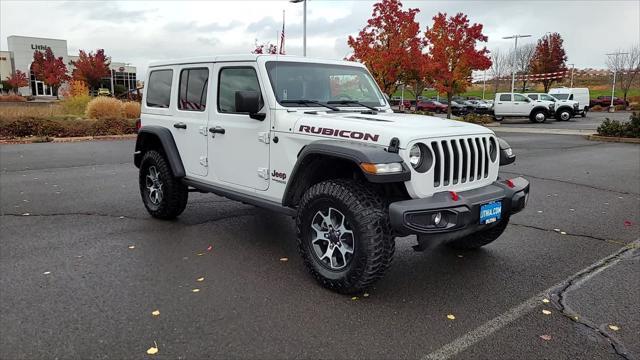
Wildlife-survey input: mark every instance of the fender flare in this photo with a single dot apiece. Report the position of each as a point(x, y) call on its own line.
point(356, 153)
point(165, 138)
point(566, 107)
point(543, 108)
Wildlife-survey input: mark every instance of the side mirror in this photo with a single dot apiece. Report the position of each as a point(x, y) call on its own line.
point(506, 154)
point(249, 102)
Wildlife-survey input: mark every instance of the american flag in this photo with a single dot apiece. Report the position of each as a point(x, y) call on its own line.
point(281, 51)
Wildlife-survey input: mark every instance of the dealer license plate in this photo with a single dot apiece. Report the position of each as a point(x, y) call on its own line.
point(491, 212)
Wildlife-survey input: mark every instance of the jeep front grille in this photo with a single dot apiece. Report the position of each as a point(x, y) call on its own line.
point(462, 160)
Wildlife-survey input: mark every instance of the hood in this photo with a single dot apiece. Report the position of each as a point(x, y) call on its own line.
point(382, 127)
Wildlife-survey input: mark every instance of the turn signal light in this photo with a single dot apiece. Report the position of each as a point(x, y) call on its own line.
point(454, 195)
point(510, 183)
point(378, 169)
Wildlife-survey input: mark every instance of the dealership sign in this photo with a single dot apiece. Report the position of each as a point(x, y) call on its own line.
point(39, 47)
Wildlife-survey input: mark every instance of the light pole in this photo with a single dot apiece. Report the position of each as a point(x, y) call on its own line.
point(615, 67)
point(513, 65)
point(572, 67)
point(484, 82)
point(304, 24)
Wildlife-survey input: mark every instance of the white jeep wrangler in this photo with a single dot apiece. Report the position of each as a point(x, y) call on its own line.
point(316, 140)
point(518, 105)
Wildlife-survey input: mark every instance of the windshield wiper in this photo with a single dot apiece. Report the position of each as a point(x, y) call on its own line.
point(307, 102)
point(347, 102)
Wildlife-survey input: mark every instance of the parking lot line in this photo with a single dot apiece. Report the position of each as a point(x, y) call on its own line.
point(481, 332)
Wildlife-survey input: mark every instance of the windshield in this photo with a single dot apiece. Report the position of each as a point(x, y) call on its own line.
point(561, 96)
point(327, 83)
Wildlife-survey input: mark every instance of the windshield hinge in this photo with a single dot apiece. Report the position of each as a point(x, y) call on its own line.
point(204, 161)
point(263, 137)
point(202, 130)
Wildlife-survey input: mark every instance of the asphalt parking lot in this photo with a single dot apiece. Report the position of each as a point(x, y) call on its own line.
point(82, 268)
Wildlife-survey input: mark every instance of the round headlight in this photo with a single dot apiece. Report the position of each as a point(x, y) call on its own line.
point(415, 156)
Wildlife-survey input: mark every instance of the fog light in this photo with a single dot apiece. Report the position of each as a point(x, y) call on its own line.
point(436, 218)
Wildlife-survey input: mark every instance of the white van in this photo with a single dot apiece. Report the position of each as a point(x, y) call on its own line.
point(581, 95)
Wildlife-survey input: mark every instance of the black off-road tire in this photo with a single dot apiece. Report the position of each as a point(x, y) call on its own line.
point(481, 238)
point(367, 214)
point(174, 193)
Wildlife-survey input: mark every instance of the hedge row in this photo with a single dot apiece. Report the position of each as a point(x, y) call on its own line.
point(615, 128)
point(17, 128)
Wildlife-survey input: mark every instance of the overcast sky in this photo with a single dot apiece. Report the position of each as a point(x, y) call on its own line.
point(140, 31)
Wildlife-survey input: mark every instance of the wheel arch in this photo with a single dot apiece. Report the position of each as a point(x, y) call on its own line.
point(159, 138)
point(324, 160)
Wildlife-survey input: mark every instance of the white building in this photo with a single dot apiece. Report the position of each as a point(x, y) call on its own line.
point(20, 57)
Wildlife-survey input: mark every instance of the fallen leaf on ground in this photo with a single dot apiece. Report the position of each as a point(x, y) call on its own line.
point(460, 256)
point(545, 337)
point(614, 328)
point(451, 317)
point(563, 232)
point(195, 290)
point(284, 259)
point(200, 254)
point(365, 294)
point(132, 246)
point(121, 217)
point(546, 301)
point(210, 247)
point(539, 211)
point(546, 312)
point(153, 350)
point(26, 214)
point(354, 298)
point(572, 209)
point(556, 230)
point(155, 312)
point(627, 223)
point(200, 279)
point(46, 273)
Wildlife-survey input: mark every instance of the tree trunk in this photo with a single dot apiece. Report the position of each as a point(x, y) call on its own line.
point(524, 85)
point(449, 96)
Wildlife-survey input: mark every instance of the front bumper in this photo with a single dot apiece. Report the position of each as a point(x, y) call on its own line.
point(462, 216)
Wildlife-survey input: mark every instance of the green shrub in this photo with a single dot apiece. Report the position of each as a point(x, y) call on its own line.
point(75, 105)
point(615, 128)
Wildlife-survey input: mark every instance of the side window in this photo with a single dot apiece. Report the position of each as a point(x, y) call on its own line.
point(533, 97)
point(505, 97)
point(571, 97)
point(232, 80)
point(193, 89)
point(518, 97)
point(159, 88)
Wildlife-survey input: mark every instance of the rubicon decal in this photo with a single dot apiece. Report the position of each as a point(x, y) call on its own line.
point(348, 134)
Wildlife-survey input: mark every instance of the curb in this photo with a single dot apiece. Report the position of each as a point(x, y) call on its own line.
point(39, 140)
point(613, 139)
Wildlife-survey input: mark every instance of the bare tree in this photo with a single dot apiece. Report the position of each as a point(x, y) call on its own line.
point(521, 60)
point(626, 66)
point(499, 67)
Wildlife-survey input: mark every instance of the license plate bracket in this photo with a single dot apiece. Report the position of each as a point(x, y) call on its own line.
point(490, 212)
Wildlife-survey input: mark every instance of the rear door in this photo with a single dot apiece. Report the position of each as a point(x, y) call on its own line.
point(239, 156)
point(190, 125)
point(520, 105)
point(503, 105)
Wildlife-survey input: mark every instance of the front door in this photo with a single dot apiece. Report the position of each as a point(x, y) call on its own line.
point(239, 145)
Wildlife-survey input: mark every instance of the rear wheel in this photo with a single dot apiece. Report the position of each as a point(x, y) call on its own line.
point(164, 196)
point(481, 238)
point(538, 116)
point(564, 115)
point(498, 118)
point(344, 236)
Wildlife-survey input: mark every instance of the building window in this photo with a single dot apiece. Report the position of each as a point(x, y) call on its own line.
point(159, 88)
point(193, 89)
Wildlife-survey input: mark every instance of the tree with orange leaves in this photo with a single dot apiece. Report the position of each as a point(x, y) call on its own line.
point(49, 69)
point(451, 44)
point(389, 44)
point(549, 57)
point(17, 80)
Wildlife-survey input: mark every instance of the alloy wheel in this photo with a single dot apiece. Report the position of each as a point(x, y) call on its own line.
point(332, 240)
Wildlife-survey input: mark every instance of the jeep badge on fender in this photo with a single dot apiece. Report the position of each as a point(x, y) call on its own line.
point(284, 136)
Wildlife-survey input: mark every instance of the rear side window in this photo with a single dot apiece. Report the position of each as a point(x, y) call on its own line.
point(518, 97)
point(193, 89)
point(533, 97)
point(159, 88)
point(232, 80)
point(505, 97)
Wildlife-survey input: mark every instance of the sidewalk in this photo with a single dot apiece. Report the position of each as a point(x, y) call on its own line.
point(511, 129)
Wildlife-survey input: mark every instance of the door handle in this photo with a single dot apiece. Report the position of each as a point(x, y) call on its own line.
point(216, 130)
point(180, 125)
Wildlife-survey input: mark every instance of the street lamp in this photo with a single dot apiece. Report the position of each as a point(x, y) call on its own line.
point(613, 86)
point(304, 24)
point(572, 67)
point(513, 65)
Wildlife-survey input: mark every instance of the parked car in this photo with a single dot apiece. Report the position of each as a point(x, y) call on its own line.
point(518, 105)
point(395, 101)
point(564, 109)
point(431, 105)
point(580, 95)
point(457, 108)
point(352, 173)
point(605, 101)
point(104, 92)
point(479, 106)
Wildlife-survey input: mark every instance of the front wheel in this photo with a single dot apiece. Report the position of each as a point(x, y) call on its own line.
point(344, 236)
point(164, 196)
point(481, 238)
point(564, 115)
point(538, 116)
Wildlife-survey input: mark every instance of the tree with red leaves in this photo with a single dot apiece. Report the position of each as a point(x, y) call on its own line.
point(91, 68)
point(17, 80)
point(49, 69)
point(549, 57)
point(389, 45)
point(451, 44)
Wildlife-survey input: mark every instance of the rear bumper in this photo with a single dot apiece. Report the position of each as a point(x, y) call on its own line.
point(461, 216)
